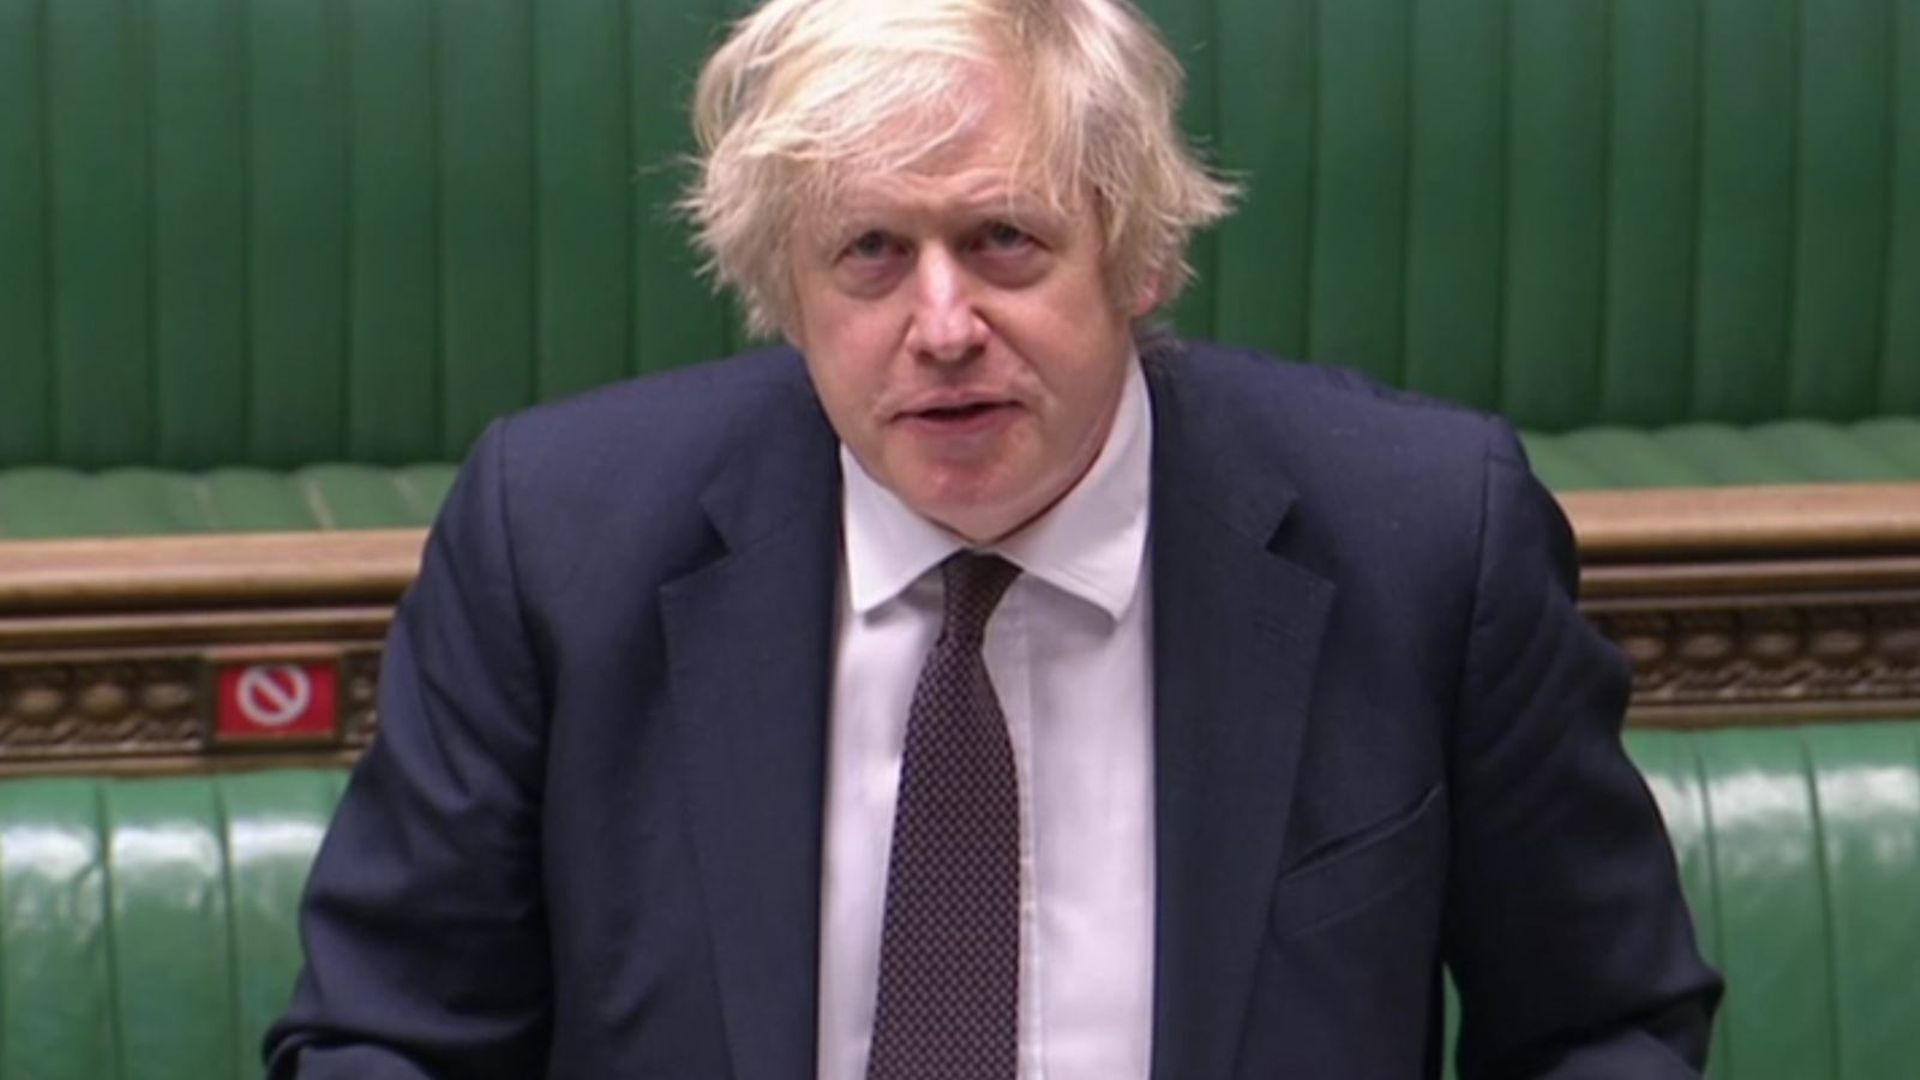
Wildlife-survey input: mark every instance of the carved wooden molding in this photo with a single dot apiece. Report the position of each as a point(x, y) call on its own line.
point(1736, 605)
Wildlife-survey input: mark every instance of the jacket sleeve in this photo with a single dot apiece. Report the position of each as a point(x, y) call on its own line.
point(1566, 931)
point(422, 922)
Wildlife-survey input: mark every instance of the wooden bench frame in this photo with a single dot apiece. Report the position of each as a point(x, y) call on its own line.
point(1736, 605)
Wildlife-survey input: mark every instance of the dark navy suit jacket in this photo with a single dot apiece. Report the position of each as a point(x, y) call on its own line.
point(587, 839)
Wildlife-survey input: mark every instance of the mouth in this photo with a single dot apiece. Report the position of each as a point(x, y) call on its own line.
point(960, 417)
point(960, 412)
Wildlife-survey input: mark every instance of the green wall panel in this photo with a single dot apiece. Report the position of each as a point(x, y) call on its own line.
point(1456, 217)
point(26, 359)
point(487, 218)
point(1268, 70)
point(1743, 279)
point(297, 113)
point(676, 319)
point(1900, 368)
point(1556, 213)
point(1360, 158)
point(584, 172)
point(279, 232)
point(1653, 177)
point(100, 272)
point(200, 230)
point(1192, 32)
point(1842, 123)
point(393, 333)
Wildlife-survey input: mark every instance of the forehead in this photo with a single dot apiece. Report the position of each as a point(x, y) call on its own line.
point(982, 154)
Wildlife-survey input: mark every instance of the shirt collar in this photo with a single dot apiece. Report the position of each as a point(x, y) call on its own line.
point(1091, 544)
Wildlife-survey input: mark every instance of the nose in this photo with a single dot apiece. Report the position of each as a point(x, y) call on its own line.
point(947, 326)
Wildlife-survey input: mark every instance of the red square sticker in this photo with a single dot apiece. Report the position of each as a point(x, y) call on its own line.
point(276, 700)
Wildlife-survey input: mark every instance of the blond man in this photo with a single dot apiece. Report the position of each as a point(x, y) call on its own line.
point(979, 686)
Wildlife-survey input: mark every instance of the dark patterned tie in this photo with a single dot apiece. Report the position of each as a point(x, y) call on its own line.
point(949, 998)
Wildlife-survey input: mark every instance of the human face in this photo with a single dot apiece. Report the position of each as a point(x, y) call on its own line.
point(960, 332)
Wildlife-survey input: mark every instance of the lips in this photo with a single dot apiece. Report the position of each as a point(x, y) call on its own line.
point(959, 417)
point(960, 412)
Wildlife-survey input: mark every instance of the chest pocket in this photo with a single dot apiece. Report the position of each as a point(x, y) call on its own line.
point(1378, 862)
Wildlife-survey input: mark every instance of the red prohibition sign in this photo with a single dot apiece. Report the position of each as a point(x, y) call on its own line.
point(273, 695)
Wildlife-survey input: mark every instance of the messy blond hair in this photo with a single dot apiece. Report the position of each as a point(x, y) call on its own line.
point(805, 93)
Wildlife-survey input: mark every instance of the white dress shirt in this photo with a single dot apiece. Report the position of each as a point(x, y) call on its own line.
point(1069, 653)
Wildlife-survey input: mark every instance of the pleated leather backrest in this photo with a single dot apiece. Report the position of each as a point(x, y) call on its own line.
point(147, 927)
point(1800, 853)
point(277, 232)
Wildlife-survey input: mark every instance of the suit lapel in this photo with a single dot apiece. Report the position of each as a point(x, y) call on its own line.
point(749, 643)
point(1236, 640)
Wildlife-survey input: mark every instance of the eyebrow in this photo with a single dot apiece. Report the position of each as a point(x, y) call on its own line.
point(1022, 206)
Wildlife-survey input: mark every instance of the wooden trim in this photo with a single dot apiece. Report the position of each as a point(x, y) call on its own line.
point(207, 570)
point(1763, 522)
point(1734, 605)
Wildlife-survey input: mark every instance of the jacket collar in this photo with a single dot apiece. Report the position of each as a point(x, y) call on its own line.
point(1237, 628)
point(749, 652)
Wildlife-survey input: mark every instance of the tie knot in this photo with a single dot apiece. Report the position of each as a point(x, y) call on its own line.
point(975, 583)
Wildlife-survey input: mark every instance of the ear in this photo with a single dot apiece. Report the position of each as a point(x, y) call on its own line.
point(1148, 296)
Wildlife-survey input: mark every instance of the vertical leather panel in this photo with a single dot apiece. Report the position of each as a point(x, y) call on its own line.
point(57, 502)
point(1842, 118)
point(1266, 91)
point(273, 824)
point(1671, 764)
point(96, 93)
point(169, 901)
point(1456, 200)
point(426, 487)
point(1725, 454)
point(1897, 437)
point(26, 376)
point(584, 172)
point(487, 225)
point(199, 221)
point(252, 500)
point(1867, 779)
point(1773, 905)
point(1359, 236)
point(55, 970)
point(357, 497)
point(1190, 30)
point(1558, 467)
point(1900, 365)
point(297, 256)
point(1653, 179)
point(393, 344)
point(1818, 451)
point(1743, 280)
point(676, 319)
point(1629, 458)
point(1556, 202)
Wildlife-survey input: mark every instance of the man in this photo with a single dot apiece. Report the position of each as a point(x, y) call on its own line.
point(962, 693)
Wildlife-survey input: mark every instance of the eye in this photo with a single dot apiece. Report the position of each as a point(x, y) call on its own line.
point(870, 245)
point(1001, 236)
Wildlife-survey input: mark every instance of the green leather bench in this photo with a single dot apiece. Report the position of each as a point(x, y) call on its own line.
point(272, 265)
point(147, 926)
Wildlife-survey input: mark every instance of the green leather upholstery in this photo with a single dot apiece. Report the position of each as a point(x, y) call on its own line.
point(50, 502)
point(271, 234)
point(1712, 454)
point(147, 926)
